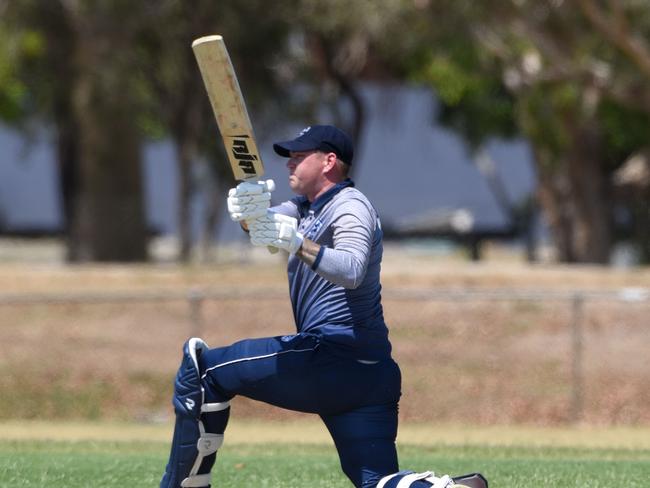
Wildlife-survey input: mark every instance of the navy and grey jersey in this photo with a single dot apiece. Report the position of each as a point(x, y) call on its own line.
point(339, 297)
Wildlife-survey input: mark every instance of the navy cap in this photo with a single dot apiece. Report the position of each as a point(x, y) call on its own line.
point(326, 138)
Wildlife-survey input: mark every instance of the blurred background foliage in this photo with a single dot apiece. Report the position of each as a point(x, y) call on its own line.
point(104, 76)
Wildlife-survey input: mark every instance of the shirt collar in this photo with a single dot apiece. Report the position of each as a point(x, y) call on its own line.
point(305, 205)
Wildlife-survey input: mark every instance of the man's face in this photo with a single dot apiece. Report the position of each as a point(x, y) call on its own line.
point(306, 173)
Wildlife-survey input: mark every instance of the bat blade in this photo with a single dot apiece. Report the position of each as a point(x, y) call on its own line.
point(228, 106)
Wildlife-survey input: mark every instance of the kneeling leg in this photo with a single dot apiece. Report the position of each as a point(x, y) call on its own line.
point(199, 427)
point(365, 441)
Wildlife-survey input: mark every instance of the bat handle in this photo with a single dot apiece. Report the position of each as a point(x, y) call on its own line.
point(268, 185)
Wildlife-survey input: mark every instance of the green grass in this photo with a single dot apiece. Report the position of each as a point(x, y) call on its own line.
point(86, 464)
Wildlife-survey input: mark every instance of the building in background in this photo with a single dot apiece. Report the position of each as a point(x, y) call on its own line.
point(413, 170)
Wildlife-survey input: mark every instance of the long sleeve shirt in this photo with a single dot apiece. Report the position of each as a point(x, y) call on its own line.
point(339, 297)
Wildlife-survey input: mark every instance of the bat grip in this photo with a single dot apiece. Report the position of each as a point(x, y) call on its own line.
point(268, 185)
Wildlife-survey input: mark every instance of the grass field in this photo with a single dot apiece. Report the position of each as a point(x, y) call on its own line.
point(300, 455)
point(103, 366)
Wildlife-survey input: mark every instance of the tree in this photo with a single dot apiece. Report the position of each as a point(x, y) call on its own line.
point(541, 65)
point(38, 44)
point(342, 42)
point(84, 81)
point(111, 71)
point(179, 103)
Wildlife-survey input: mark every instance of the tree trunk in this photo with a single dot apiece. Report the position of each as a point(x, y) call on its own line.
point(641, 211)
point(215, 204)
point(185, 191)
point(344, 81)
point(572, 193)
point(186, 127)
point(61, 41)
point(355, 128)
point(110, 221)
point(592, 239)
point(68, 159)
point(553, 199)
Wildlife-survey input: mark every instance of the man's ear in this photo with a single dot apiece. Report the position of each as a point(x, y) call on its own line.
point(330, 162)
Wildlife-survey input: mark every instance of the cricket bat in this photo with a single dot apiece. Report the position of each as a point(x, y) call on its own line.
point(229, 109)
point(228, 106)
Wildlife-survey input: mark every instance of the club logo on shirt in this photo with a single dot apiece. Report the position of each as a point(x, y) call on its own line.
point(313, 230)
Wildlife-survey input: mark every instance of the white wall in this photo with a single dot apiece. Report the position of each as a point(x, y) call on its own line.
point(405, 165)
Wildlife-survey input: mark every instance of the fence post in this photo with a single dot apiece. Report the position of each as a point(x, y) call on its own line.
point(195, 299)
point(577, 358)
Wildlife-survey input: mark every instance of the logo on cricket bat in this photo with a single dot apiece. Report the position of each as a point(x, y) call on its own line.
point(241, 152)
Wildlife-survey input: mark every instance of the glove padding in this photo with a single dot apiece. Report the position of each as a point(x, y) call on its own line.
point(276, 230)
point(250, 200)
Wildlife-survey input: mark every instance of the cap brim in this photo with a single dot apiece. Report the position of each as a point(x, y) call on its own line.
point(285, 148)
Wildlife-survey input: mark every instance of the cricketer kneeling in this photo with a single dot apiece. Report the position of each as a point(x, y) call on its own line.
point(338, 364)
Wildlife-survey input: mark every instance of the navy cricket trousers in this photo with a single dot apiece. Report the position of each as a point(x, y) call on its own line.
point(357, 401)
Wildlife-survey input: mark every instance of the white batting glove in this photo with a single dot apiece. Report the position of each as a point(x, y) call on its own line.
point(276, 230)
point(250, 200)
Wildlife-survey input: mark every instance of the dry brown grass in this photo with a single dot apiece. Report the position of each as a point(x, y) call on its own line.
point(311, 430)
point(479, 362)
point(401, 268)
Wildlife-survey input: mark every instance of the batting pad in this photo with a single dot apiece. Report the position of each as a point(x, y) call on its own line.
point(198, 432)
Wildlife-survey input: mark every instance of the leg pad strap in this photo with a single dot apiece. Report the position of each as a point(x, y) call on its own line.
point(206, 446)
point(199, 481)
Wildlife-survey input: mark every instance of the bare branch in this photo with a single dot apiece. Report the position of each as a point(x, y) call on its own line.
point(559, 66)
point(618, 13)
point(492, 41)
point(630, 44)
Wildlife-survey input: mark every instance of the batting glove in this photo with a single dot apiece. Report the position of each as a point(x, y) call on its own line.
point(247, 201)
point(276, 230)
